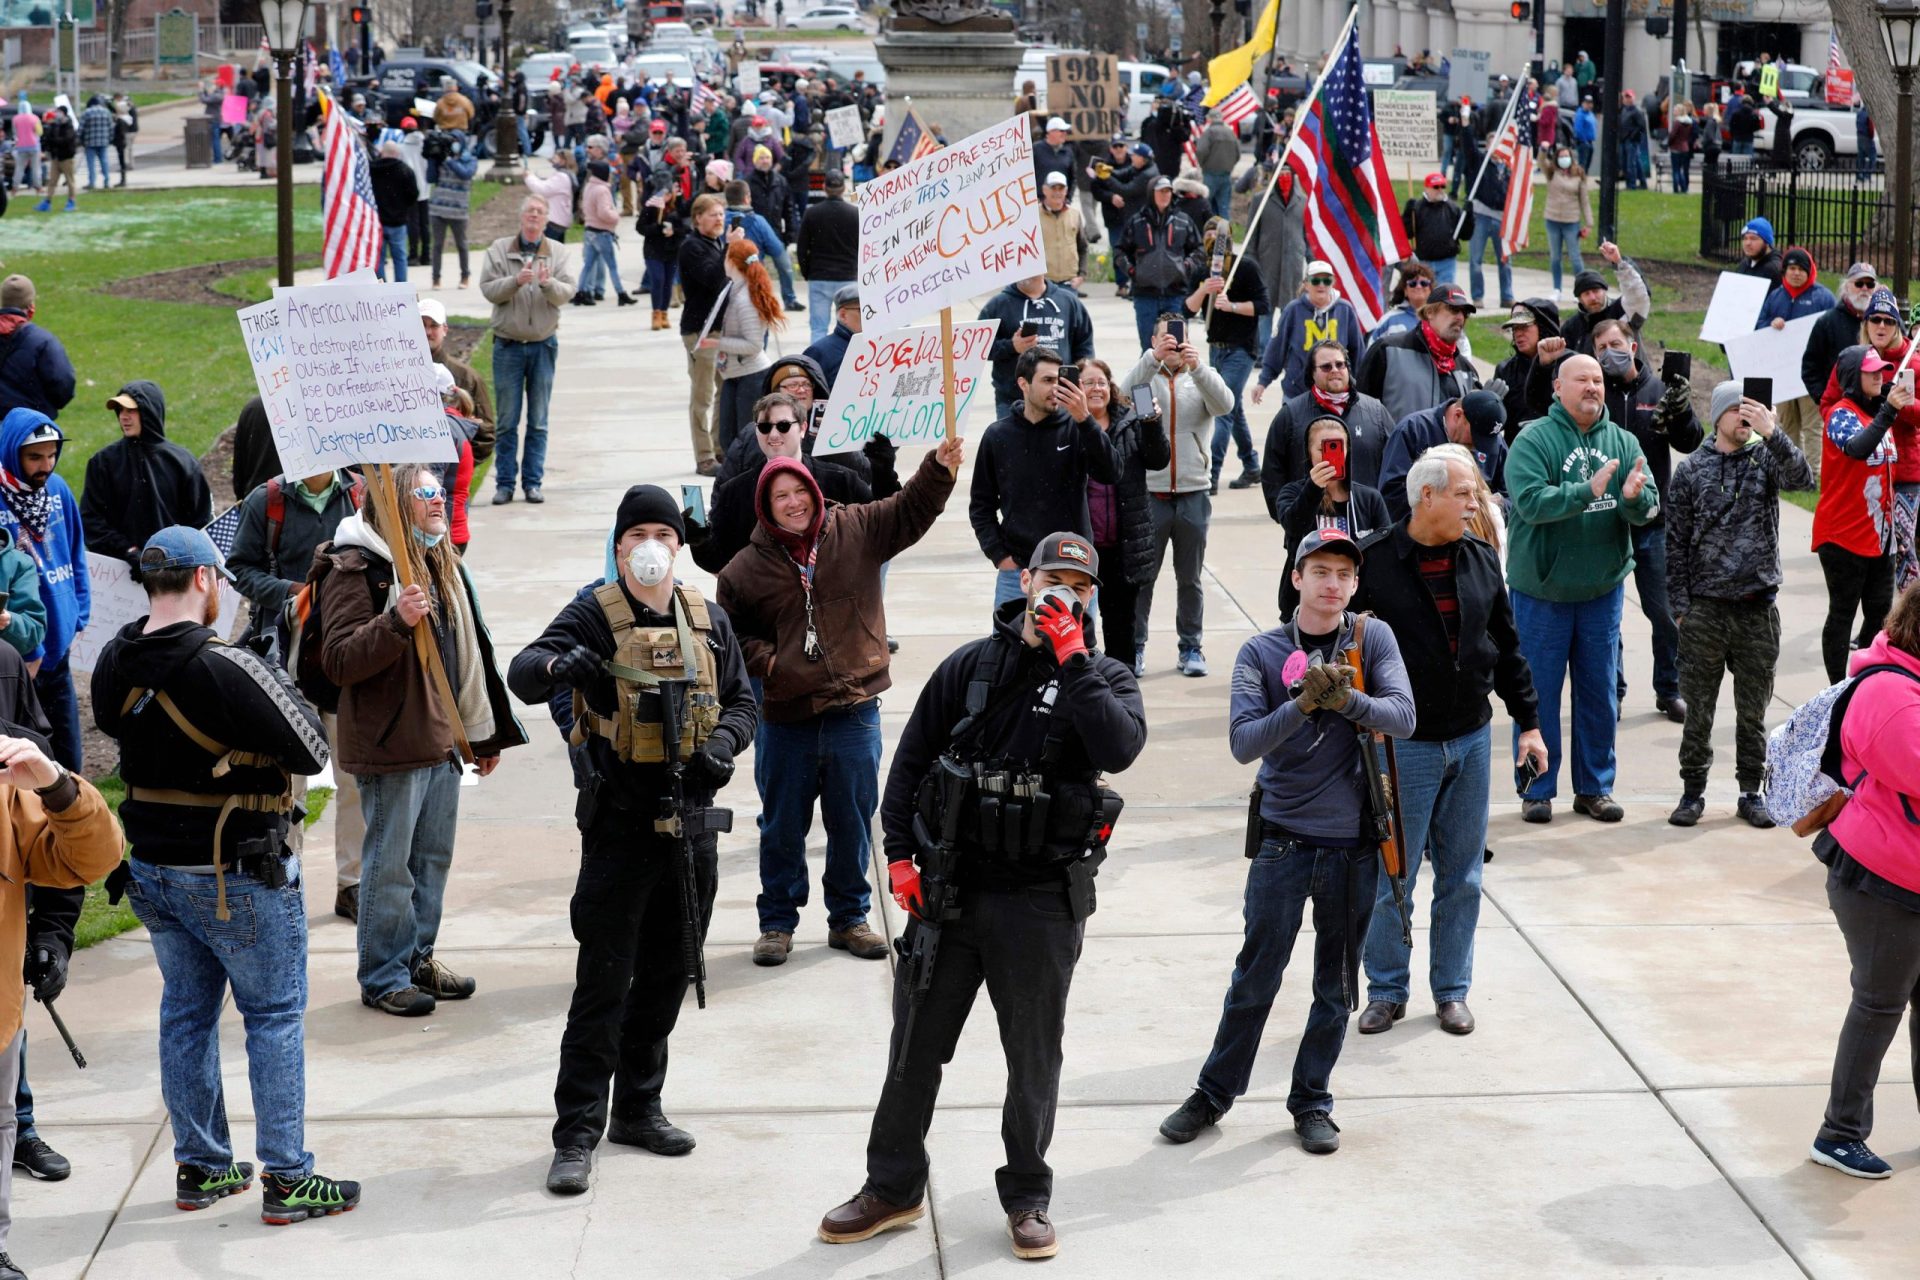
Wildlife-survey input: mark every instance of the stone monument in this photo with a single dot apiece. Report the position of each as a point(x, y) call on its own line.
point(955, 59)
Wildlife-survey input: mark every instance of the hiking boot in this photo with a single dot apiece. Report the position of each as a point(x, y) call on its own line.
point(8, 1269)
point(1194, 1115)
point(284, 1200)
point(346, 902)
point(1851, 1158)
point(1247, 479)
point(1754, 810)
point(440, 982)
point(1536, 811)
point(772, 948)
point(39, 1161)
point(1599, 808)
point(1319, 1135)
point(651, 1131)
point(533, 495)
point(1688, 811)
point(1673, 708)
point(408, 1002)
point(195, 1187)
point(1380, 1015)
point(858, 940)
point(571, 1171)
point(1032, 1235)
point(864, 1217)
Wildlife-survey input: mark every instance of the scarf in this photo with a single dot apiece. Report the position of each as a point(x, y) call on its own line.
point(1442, 352)
point(469, 676)
point(34, 507)
point(1334, 404)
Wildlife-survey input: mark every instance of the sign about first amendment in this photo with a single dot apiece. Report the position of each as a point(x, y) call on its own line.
point(1407, 121)
point(956, 223)
point(1084, 90)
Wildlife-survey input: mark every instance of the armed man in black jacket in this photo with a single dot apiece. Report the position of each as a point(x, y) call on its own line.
point(1441, 590)
point(1030, 719)
point(142, 482)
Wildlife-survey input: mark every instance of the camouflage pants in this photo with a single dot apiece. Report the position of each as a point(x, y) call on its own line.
point(1718, 636)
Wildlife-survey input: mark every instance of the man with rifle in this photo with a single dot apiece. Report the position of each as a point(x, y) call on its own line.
point(661, 705)
point(996, 790)
point(1309, 699)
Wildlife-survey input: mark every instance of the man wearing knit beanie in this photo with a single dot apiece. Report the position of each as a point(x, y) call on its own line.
point(1723, 572)
point(1757, 256)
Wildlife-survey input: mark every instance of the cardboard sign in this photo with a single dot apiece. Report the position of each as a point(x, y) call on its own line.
point(118, 600)
point(1407, 122)
point(1467, 72)
point(953, 224)
point(1084, 90)
point(890, 385)
point(1773, 353)
point(1734, 308)
point(746, 78)
point(843, 126)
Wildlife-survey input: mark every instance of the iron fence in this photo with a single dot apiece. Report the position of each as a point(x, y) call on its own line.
point(1840, 216)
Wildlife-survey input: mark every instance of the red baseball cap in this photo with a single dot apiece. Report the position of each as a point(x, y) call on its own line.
point(1436, 180)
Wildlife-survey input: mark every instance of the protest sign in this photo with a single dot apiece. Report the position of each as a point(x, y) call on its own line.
point(843, 126)
point(1407, 122)
point(1773, 353)
point(1734, 308)
point(263, 329)
point(746, 78)
point(116, 599)
point(1084, 90)
point(889, 385)
point(1467, 74)
point(955, 223)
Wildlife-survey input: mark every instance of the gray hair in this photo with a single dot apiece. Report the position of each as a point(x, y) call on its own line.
point(532, 201)
point(1431, 470)
point(390, 149)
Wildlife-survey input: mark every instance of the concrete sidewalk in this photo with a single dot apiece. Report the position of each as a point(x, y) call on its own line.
point(1657, 1008)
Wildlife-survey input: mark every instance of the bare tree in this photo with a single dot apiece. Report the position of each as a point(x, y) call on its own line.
point(1858, 22)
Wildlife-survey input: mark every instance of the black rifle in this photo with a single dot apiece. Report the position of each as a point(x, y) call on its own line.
point(939, 895)
point(685, 824)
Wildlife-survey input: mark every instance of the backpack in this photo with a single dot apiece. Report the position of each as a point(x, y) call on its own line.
point(308, 630)
point(1805, 786)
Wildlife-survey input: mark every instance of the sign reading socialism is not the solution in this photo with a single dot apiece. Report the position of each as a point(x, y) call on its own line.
point(889, 385)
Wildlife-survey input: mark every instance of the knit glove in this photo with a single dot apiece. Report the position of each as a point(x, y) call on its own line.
point(1674, 405)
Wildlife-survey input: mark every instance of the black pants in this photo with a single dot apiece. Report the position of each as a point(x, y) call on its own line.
point(1863, 583)
point(1023, 943)
point(630, 979)
point(1119, 612)
point(1883, 942)
point(417, 234)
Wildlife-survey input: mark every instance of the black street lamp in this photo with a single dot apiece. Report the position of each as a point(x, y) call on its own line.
point(506, 125)
point(1900, 27)
point(1216, 14)
point(285, 21)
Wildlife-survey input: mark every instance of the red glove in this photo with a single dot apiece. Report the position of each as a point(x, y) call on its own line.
point(905, 878)
point(1060, 626)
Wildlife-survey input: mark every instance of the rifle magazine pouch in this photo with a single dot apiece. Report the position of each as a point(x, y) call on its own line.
point(1255, 830)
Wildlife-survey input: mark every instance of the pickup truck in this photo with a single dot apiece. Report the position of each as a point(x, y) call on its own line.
point(1822, 135)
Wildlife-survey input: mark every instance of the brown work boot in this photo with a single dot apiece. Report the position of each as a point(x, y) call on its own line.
point(860, 940)
point(772, 948)
point(865, 1217)
point(1032, 1234)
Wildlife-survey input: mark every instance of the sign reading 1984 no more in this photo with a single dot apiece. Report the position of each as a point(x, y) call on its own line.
point(1084, 89)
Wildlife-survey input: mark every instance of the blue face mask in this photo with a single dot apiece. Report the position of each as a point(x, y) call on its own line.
point(428, 540)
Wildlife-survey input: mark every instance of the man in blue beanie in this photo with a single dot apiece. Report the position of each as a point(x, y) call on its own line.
point(1757, 255)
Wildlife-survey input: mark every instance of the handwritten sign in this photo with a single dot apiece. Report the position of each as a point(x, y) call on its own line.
point(890, 385)
point(118, 600)
point(1084, 90)
point(1406, 121)
point(957, 222)
point(1467, 73)
point(843, 126)
point(746, 78)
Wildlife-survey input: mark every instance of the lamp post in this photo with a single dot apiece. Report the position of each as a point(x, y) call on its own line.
point(284, 21)
point(1900, 27)
point(506, 125)
point(1216, 14)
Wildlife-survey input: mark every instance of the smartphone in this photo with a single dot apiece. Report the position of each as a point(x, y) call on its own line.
point(1143, 405)
point(1028, 329)
point(1759, 390)
point(1217, 265)
point(1676, 364)
point(693, 500)
point(1177, 330)
point(1334, 454)
point(1070, 373)
point(1905, 379)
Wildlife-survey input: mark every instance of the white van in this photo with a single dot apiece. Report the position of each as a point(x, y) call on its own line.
point(1142, 81)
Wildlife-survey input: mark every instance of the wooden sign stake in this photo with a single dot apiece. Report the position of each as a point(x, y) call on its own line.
point(946, 371)
point(385, 493)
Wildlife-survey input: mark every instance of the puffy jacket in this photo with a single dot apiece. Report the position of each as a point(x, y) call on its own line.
point(1880, 738)
point(34, 370)
point(137, 487)
point(59, 556)
point(1368, 430)
point(1162, 252)
point(1783, 303)
point(1139, 447)
point(1048, 158)
point(1723, 520)
point(1189, 402)
point(1399, 372)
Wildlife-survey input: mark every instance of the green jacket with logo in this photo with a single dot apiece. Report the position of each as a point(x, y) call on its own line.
point(1564, 544)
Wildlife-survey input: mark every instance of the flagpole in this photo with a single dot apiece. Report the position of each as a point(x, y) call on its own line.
point(1300, 114)
point(1512, 102)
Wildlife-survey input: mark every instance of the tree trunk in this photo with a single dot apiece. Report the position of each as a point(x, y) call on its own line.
point(1858, 22)
point(116, 36)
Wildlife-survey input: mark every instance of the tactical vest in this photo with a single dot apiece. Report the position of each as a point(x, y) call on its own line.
point(642, 658)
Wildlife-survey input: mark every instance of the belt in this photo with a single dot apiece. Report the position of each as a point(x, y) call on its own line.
point(251, 802)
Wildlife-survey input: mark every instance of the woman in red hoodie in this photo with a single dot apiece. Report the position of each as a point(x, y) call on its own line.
point(1853, 524)
point(1882, 329)
point(1872, 852)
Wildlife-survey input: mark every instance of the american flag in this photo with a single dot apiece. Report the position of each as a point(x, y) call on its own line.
point(1335, 155)
point(915, 140)
point(351, 232)
point(223, 529)
point(704, 98)
point(1517, 217)
point(1237, 106)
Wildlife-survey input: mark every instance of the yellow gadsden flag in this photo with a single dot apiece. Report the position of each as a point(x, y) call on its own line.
point(1235, 67)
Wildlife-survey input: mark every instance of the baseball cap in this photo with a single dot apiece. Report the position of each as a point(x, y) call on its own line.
point(179, 546)
point(834, 181)
point(1874, 362)
point(1142, 149)
point(1333, 540)
point(1485, 412)
point(1859, 269)
point(657, 126)
point(1056, 179)
point(1436, 180)
point(433, 309)
point(1319, 267)
point(1452, 295)
point(1117, 140)
point(1066, 551)
point(1521, 317)
point(758, 121)
point(1163, 183)
point(1057, 123)
point(122, 401)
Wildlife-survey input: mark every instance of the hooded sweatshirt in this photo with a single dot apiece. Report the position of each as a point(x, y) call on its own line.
point(1723, 520)
point(1789, 303)
point(57, 548)
point(1880, 738)
point(1857, 456)
point(1564, 544)
point(1060, 318)
point(1030, 480)
point(1906, 426)
point(1300, 326)
point(136, 487)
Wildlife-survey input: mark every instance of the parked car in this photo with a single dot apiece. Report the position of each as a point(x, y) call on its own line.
point(595, 55)
point(842, 66)
point(1141, 80)
point(828, 17)
point(539, 68)
point(658, 66)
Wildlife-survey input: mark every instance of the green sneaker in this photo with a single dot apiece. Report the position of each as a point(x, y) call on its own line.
point(198, 1188)
point(285, 1200)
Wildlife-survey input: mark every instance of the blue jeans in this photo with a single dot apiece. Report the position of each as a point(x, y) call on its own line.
point(1581, 640)
point(1443, 800)
point(833, 758)
point(1650, 584)
point(98, 156)
point(1584, 151)
point(1869, 155)
point(1219, 193)
point(659, 282)
point(1233, 364)
point(522, 367)
point(785, 268)
point(1146, 311)
point(598, 268)
point(820, 315)
point(1633, 165)
point(393, 248)
point(1006, 586)
point(1682, 166)
point(1342, 884)
point(54, 684)
point(218, 156)
point(1563, 241)
point(403, 871)
point(1736, 147)
point(23, 1096)
point(1443, 269)
point(1486, 231)
point(261, 953)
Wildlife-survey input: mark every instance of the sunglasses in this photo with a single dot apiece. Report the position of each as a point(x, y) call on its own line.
point(768, 428)
point(1864, 282)
point(1329, 368)
point(1882, 320)
point(1319, 279)
point(428, 492)
point(1419, 284)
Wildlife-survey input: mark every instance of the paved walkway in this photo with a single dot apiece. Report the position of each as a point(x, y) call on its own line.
point(1657, 1012)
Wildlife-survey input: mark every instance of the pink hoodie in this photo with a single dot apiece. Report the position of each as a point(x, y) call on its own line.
point(1880, 826)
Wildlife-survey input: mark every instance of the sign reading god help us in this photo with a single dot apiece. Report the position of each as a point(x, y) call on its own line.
point(889, 385)
point(955, 223)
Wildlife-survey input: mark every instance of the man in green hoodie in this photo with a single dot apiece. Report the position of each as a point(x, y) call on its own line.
point(1580, 486)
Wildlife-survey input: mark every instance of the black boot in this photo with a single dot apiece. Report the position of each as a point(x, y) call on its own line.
point(651, 1130)
point(627, 299)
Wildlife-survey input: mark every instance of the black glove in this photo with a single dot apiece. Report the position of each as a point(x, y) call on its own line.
point(577, 668)
point(46, 968)
point(713, 762)
point(1674, 405)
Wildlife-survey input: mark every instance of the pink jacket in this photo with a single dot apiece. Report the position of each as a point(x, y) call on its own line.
point(1880, 826)
point(597, 209)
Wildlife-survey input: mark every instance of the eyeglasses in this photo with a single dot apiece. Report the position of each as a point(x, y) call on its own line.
point(768, 428)
point(1882, 320)
point(1419, 284)
point(798, 380)
point(428, 492)
point(1319, 279)
point(1329, 368)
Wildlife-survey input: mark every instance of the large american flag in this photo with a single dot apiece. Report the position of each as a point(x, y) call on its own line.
point(350, 237)
point(1517, 217)
point(1352, 221)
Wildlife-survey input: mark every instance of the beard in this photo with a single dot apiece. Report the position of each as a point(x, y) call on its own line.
point(211, 614)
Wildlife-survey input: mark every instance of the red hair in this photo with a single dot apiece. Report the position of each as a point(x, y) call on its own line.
point(745, 256)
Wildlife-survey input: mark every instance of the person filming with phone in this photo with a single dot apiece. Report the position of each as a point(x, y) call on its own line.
point(1326, 498)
